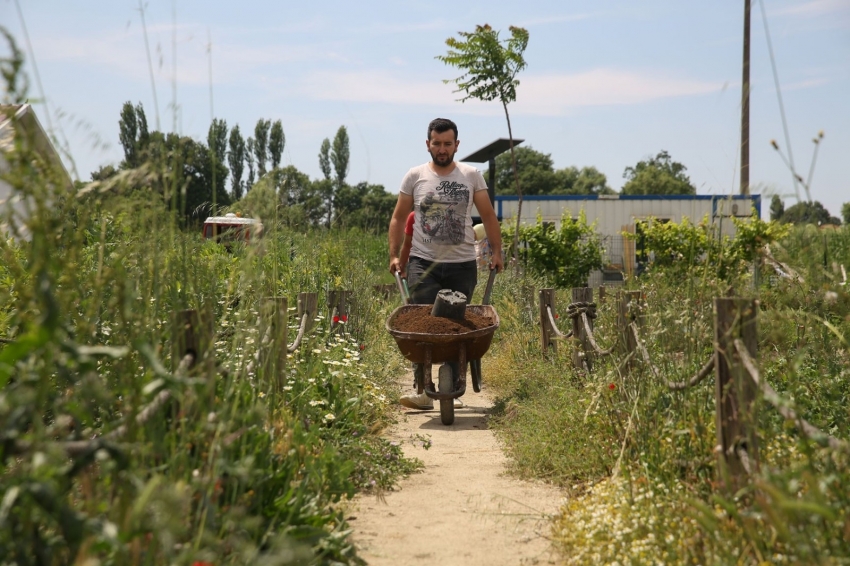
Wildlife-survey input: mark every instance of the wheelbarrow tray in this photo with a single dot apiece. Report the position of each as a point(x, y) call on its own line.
point(444, 347)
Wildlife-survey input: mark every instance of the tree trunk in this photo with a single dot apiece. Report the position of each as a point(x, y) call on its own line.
point(515, 246)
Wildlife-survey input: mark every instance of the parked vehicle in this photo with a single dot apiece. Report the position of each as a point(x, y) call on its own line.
point(232, 228)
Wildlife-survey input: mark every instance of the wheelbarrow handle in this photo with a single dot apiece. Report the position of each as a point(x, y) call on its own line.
point(488, 290)
point(401, 288)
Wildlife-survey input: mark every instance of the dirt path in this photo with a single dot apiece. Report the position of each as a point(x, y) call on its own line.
point(461, 509)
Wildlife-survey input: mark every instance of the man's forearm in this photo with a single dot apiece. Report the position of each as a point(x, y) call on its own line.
point(395, 238)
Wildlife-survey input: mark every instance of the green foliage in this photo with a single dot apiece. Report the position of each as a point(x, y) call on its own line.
point(249, 160)
point(365, 206)
point(217, 140)
point(658, 175)
point(809, 213)
point(538, 176)
point(277, 141)
point(668, 243)
point(489, 66)
point(777, 208)
point(340, 156)
point(236, 161)
point(133, 134)
point(261, 145)
point(325, 159)
point(686, 245)
point(564, 257)
point(110, 454)
point(845, 212)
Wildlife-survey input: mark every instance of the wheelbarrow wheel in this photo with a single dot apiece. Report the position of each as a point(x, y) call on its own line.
point(446, 385)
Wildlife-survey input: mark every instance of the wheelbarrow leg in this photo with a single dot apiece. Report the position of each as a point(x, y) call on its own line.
point(423, 379)
point(475, 370)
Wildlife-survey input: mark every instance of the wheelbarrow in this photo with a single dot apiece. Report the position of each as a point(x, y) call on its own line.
point(466, 348)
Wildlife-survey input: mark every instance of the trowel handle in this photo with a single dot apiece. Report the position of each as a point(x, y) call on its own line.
point(488, 290)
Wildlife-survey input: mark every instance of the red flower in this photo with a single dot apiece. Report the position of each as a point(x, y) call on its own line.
point(336, 320)
point(345, 318)
point(202, 563)
point(362, 347)
point(611, 386)
point(556, 317)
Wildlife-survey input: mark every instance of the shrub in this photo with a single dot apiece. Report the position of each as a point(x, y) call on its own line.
point(564, 256)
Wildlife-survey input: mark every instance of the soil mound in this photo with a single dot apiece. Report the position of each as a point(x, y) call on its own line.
point(419, 319)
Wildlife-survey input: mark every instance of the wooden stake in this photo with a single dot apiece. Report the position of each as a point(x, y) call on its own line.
point(582, 352)
point(735, 392)
point(547, 299)
point(628, 309)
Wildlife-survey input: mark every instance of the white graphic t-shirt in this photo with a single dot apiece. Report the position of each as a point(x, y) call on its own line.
point(442, 230)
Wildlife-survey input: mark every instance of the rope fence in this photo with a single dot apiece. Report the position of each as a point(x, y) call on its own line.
point(733, 358)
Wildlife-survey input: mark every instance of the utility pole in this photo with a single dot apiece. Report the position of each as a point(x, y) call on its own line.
point(745, 105)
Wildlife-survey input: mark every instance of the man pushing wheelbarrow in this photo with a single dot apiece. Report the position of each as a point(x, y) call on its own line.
point(441, 193)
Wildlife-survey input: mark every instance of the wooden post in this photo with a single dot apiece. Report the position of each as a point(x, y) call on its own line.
point(581, 353)
point(274, 316)
point(338, 303)
point(308, 303)
point(602, 293)
point(735, 392)
point(628, 309)
point(547, 299)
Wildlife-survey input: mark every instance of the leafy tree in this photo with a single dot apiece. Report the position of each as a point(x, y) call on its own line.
point(340, 155)
point(103, 173)
point(142, 127)
point(277, 141)
point(489, 73)
point(217, 139)
point(261, 145)
point(300, 203)
point(185, 175)
point(777, 208)
point(586, 181)
point(538, 176)
point(845, 212)
point(809, 213)
point(133, 134)
point(325, 158)
point(249, 159)
point(326, 185)
point(535, 170)
point(364, 206)
point(658, 175)
point(236, 160)
point(128, 134)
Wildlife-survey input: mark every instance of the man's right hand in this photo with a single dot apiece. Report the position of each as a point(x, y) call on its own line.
point(395, 265)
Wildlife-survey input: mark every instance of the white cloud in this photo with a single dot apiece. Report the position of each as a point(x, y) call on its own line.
point(124, 53)
point(814, 8)
point(545, 95)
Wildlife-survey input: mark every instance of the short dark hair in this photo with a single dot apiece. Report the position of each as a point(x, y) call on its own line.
point(441, 125)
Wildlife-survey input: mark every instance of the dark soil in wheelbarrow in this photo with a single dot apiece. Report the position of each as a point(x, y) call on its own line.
point(419, 320)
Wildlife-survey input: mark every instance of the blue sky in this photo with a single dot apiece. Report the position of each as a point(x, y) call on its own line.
point(608, 83)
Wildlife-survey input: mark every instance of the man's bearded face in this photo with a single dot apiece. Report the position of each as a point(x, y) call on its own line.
point(442, 147)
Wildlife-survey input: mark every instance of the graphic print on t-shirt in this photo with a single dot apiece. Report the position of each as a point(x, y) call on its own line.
point(443, 213)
